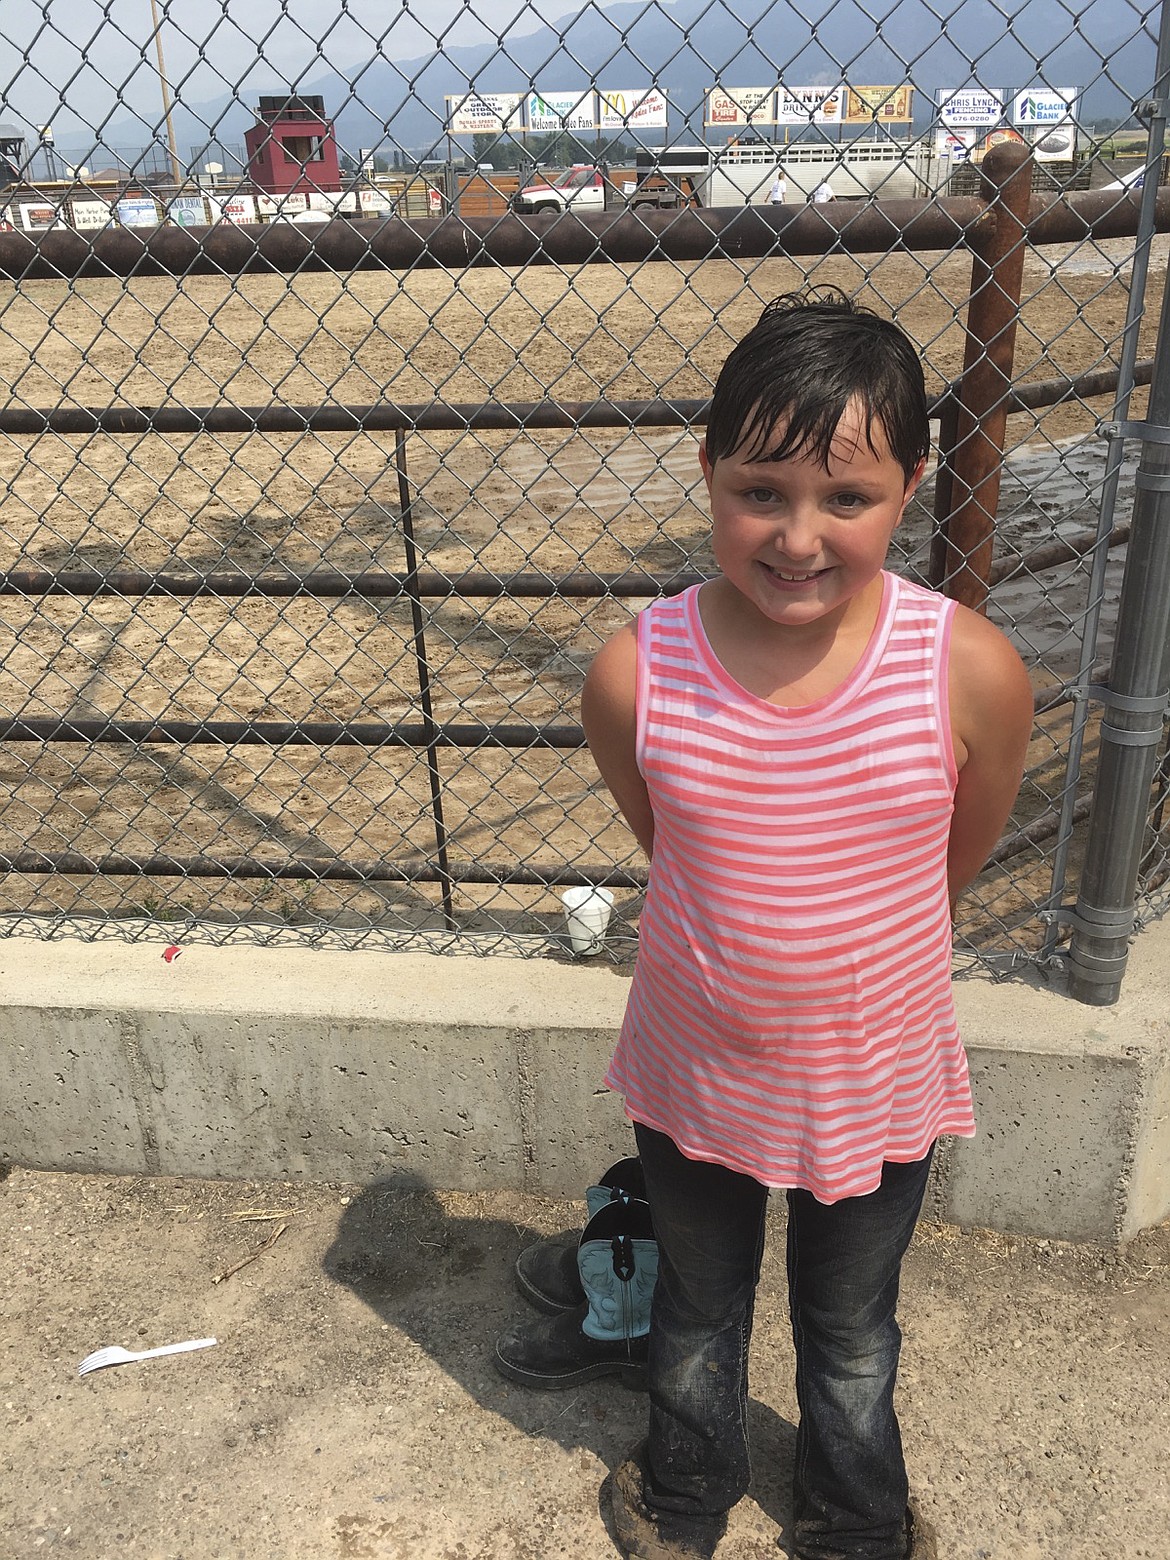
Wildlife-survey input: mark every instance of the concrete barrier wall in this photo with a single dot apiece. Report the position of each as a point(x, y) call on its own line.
point(476, 1073)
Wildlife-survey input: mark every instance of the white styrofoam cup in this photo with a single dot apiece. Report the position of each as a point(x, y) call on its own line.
point(587, 912)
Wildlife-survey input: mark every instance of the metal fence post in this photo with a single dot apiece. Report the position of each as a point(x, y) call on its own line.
point(1135, 710)
point(997, 274)
point(422, 666)
point(1115, 449)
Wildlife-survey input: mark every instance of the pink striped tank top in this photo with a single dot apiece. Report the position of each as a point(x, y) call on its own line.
point(791, 1014)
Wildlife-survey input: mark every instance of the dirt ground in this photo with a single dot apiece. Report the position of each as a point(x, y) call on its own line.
point(549, 501)
point(350, 1408)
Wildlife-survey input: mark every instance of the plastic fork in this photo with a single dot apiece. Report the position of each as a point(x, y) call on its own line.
point(114, 1355)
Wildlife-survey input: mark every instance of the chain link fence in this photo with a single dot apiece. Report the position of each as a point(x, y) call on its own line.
point(353, 378)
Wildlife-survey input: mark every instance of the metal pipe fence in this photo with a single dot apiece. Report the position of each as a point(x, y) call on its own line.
point(309, 531)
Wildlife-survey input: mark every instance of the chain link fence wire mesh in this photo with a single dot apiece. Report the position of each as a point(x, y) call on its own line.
point(353, 376)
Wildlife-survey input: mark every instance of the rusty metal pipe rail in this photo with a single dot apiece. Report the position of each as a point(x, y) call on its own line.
point(76, 864)
point(567, 239)
point(292, 733)
point(475, 584)
point(431, 416)
point(71, 863)
point(460, 417)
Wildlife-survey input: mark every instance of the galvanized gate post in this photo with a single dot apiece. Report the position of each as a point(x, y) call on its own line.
point(1115, 450)
point(1135, 710)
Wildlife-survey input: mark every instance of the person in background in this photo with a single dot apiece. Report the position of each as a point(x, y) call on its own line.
point(779, 190)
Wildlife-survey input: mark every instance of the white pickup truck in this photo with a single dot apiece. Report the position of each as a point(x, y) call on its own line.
point(663, 180)
point(580, 188)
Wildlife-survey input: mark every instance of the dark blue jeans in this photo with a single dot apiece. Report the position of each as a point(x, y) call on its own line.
point(844, 1262)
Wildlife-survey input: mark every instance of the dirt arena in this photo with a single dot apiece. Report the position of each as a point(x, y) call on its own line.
point(550, 502)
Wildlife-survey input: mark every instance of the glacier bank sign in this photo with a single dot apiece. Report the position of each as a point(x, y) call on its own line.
point(1044, 105)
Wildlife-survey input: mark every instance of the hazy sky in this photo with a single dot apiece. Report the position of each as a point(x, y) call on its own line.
point(93, 60)
point(81, 64)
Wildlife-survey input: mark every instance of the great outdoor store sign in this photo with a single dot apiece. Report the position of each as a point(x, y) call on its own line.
point(488, 113)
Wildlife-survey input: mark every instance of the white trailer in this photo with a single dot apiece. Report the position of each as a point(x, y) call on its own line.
point(740, 175)
point(855, 170)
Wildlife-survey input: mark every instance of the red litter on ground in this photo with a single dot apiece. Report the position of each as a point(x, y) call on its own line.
point(171, 954)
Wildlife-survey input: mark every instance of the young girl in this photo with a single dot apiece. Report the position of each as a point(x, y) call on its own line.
point(817, 757)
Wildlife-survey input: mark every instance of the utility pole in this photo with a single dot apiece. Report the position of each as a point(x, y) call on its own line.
point(176, 170)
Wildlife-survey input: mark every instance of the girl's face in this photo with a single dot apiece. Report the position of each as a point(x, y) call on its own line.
point(801, 542)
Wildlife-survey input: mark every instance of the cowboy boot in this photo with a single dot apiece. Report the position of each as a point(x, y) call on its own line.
point(546, 1272)
point(608, 1334)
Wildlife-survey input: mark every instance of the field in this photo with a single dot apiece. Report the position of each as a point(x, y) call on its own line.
point(544, 501)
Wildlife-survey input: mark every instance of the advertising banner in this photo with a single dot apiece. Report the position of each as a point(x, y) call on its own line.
point(282, 205)
point(88, 214)
point(633, 108)
point(35, 217)
point(1056, 145)
point(375, 203)
point(137, 211)
point(1044, 105)
point(547, 112)
point(187, 211)
point(970, 107)
point(810, 105)
point(881, 105)
point(240, 209)
point(484, 113)
point(739, 106)
point(955, 144)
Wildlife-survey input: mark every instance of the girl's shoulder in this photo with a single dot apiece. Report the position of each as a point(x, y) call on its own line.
point(990, 690)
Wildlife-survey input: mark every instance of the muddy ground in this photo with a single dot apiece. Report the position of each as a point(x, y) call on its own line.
point(350, 1410)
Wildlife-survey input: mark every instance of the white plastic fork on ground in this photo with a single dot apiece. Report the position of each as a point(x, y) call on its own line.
point(114, 1355)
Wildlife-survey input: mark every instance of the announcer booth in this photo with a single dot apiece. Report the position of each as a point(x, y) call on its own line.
point(292, 149)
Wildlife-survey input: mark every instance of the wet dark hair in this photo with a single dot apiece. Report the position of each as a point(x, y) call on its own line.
point(810, 354)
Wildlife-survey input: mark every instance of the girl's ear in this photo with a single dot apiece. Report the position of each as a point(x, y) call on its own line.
point(706, 466)
point(915, 479)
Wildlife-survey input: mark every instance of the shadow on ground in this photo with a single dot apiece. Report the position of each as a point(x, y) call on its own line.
point(445, 1282)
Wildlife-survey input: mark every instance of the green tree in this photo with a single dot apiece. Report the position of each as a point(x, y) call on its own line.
point(501, 151)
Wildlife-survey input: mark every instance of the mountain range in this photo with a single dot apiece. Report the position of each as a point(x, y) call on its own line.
point(685, 47)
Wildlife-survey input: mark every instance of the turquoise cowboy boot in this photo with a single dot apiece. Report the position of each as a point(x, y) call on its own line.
point(608, 1333)
point(546, 1272)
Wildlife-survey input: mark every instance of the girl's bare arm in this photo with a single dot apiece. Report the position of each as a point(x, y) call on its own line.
point(609, 717)
point(991, 721)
